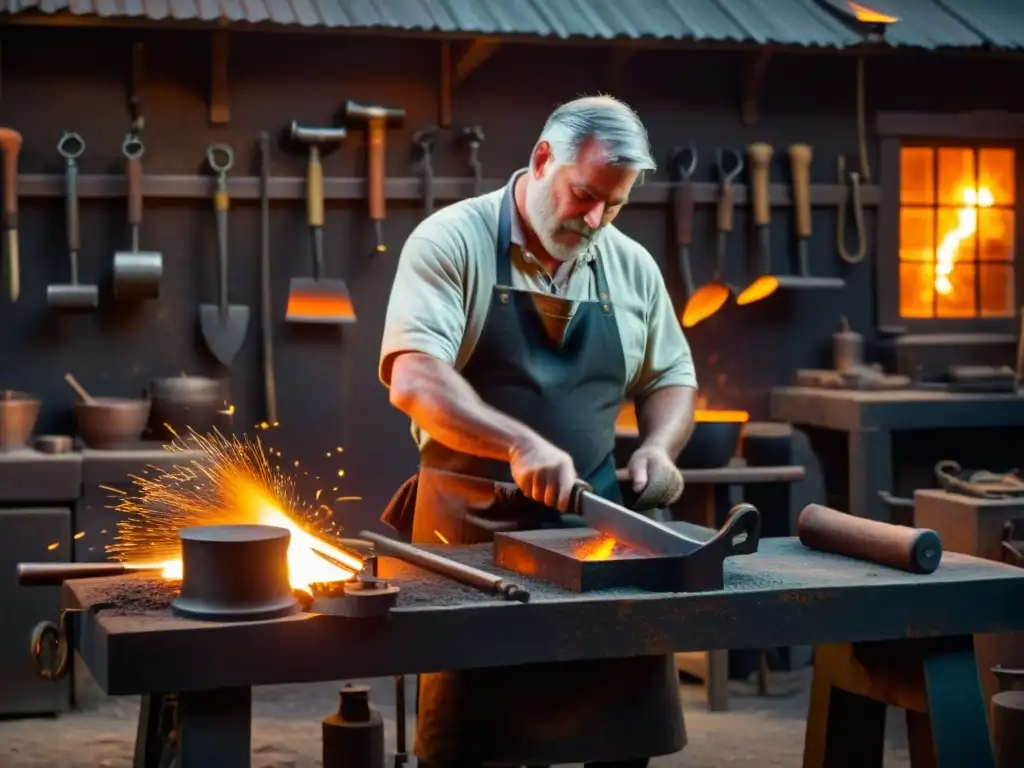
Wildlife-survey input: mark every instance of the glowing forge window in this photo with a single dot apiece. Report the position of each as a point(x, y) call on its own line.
point(956, 232)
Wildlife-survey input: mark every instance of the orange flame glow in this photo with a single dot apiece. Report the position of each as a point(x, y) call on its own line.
point(252, 506)
point(232, 483)
point(869, 16)
point(967, 225)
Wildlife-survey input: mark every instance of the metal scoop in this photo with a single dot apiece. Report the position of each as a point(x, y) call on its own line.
point(74, 295)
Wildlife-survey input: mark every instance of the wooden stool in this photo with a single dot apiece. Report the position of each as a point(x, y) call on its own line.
point(1008, 729)
point(934, 680)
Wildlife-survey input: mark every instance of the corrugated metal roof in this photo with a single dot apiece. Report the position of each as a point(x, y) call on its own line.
point(923, 23)
point(999, 21)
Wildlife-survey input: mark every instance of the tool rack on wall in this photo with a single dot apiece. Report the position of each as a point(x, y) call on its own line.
point(98, 186)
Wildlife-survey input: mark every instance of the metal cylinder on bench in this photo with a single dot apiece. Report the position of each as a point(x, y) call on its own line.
point(353, 737)
point(235, 573)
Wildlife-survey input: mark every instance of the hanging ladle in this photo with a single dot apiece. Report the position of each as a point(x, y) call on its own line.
point(711, 297)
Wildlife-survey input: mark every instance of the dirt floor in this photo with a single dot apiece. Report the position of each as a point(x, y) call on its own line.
point(757, 732)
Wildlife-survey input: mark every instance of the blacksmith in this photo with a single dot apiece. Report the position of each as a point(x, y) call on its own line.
point(518, 322)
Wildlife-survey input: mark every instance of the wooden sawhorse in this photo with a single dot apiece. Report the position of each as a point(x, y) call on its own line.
point(934, 680)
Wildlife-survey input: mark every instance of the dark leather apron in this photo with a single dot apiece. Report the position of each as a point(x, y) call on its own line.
point(568, 388)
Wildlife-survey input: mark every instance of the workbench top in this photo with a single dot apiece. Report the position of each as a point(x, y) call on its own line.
point(784, 595)
point(895, 409)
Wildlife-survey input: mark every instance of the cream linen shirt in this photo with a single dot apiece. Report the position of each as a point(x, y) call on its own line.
point(446, 276)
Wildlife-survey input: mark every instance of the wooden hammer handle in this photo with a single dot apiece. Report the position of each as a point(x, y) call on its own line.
point(760, 158)
point(725, 208)
point(315, 190)
point(800, 156)
point(375, 167)
point(133, 178)
point(917, 550)
point(10, 145)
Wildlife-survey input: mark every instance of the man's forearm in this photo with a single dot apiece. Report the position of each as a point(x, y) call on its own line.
point(665, 419)
point(443, 403)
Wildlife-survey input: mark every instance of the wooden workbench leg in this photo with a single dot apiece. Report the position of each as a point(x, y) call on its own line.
point(717, 681)
point(959, 725)
point(869, 470)
point(215, 728)
point(844, 730)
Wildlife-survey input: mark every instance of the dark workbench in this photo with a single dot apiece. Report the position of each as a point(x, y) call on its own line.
point(783, 595)
point(870, 417)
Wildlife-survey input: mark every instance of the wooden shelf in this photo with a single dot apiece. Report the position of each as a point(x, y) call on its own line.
point(97, 186)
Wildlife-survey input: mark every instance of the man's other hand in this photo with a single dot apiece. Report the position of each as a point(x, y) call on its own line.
point(653, 466)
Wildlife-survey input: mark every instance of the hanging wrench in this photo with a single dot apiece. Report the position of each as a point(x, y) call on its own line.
point(474, 136)
point(425, 138)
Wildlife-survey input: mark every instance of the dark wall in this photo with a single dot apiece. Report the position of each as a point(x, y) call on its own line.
point(61, 79)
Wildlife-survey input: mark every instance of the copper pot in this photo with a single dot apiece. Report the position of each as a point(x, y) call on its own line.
point(18, 414)
point(110, 423)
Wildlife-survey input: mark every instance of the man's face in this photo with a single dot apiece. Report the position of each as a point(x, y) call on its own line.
point(567, 205)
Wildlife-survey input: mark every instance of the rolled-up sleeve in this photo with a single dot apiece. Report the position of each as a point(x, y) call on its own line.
point(667, 360)
point(426, 311)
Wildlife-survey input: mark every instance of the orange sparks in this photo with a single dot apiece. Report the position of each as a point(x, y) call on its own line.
point(51, 547)
point(441, 538)
point(233, 483)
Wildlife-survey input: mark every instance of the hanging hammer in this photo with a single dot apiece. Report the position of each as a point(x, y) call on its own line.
point(377, 119)
point(10, 145)
point(474, 137)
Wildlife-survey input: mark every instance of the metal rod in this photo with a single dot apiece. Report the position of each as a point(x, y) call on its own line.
point(447, 567)
point(332, 560)
point(55, 574)
point(410, 189)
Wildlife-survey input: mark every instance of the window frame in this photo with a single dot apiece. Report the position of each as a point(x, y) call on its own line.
point(971, 130)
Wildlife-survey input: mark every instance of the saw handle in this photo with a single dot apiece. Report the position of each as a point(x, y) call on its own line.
point(800, 156)
point(916, 550)
point(509, 493)
point(760, 158)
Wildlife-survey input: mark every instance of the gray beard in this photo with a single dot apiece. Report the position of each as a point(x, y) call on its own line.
point(540, 211)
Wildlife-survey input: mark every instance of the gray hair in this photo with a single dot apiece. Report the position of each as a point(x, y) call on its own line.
point(606, 119)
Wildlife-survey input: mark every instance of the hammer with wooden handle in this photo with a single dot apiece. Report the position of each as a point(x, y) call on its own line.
point(10, 145)
point(917, 550)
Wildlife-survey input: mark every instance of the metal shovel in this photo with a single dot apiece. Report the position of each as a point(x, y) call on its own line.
point(72, 296)
point(137, 274)
point(318, 299)
point(224, 325)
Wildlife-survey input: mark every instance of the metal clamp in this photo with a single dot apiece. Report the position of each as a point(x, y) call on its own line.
point(1013, 554)
point(71, 145)
point(50, 645)
point(364, 596)
point(132, 147)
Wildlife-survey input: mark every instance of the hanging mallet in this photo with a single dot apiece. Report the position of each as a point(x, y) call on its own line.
point(377, 120)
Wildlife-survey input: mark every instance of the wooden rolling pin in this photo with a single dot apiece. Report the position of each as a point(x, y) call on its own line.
point(917, 550)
